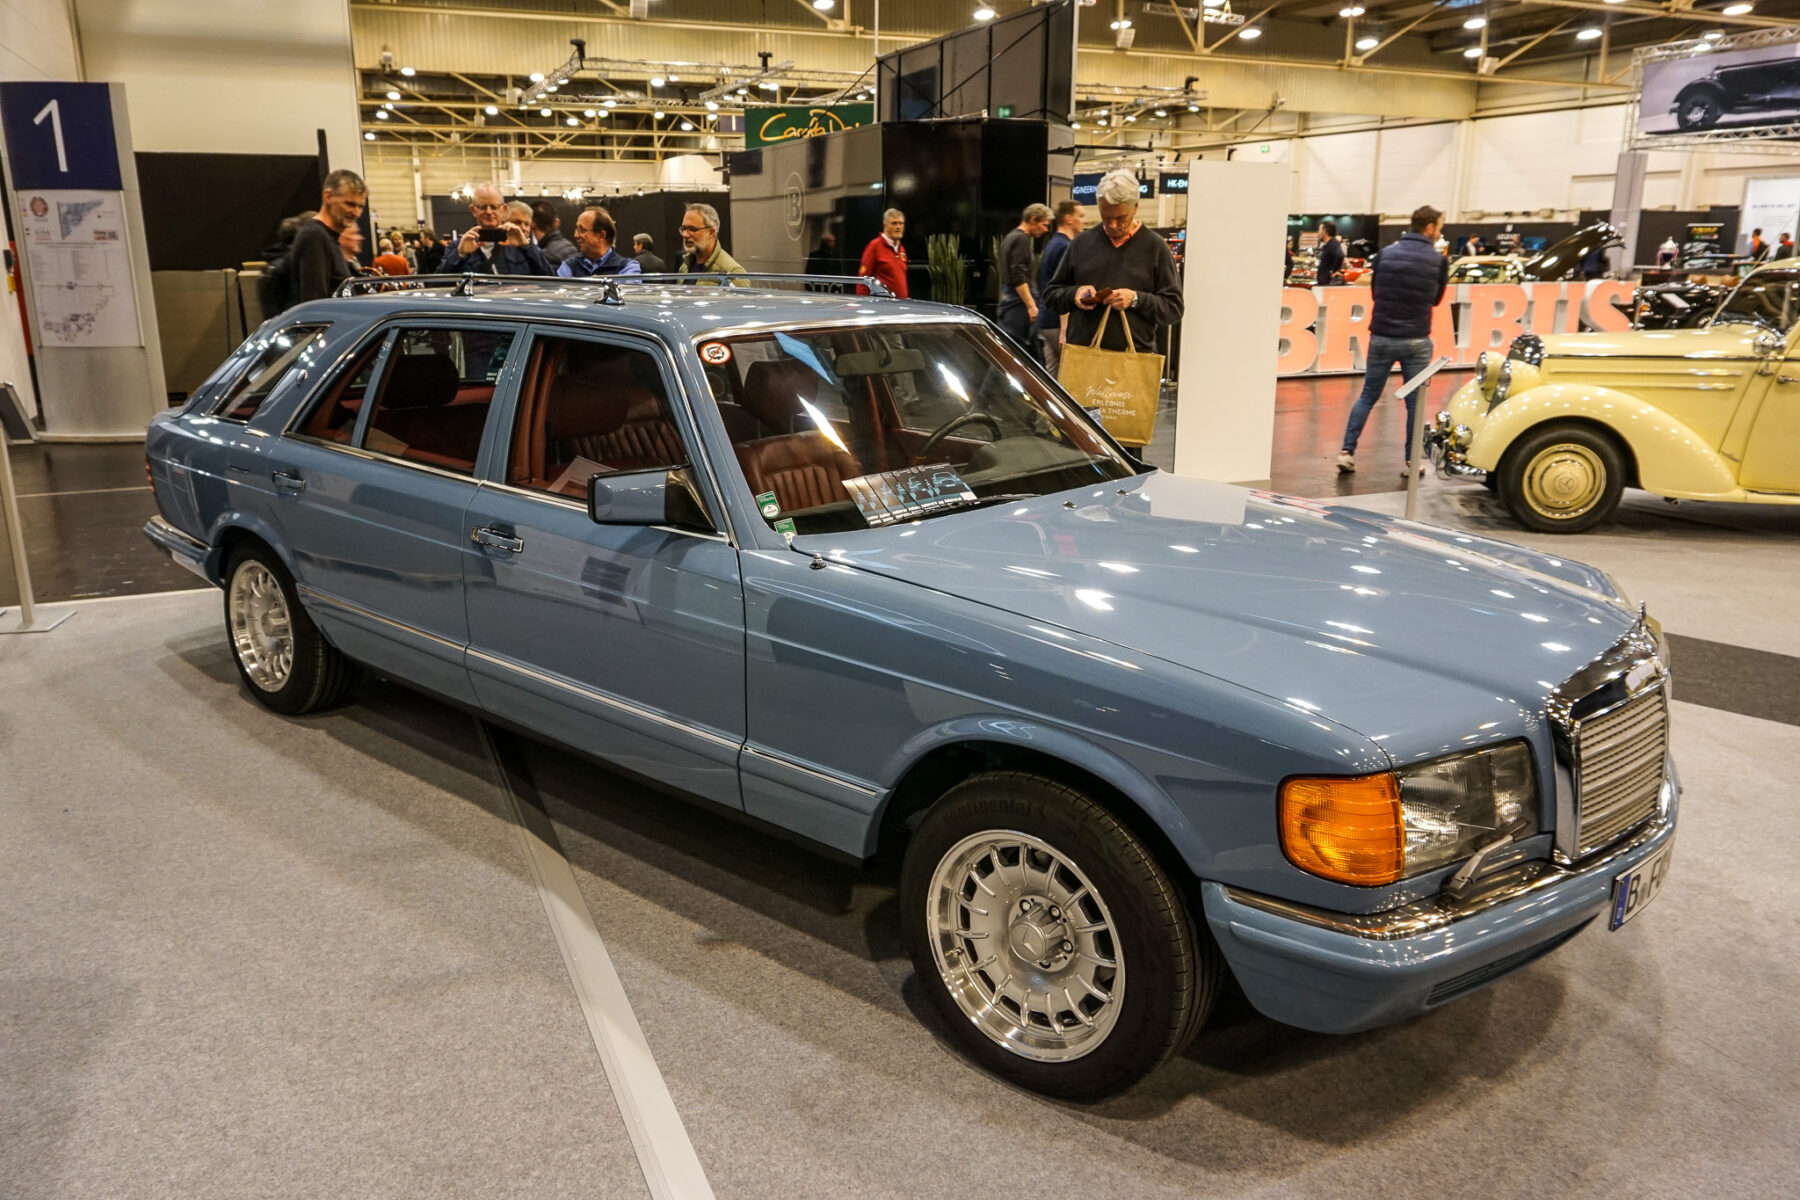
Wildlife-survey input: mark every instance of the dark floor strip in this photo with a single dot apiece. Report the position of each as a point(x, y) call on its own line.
point(1756, 683)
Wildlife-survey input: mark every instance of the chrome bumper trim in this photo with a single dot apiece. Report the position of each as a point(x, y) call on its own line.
point(1424, 916)
point(184, 548)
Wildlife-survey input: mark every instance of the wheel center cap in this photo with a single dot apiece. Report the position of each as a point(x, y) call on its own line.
point(1037, 936)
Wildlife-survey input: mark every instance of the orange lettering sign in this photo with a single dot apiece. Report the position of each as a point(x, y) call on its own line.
point(1299, 309)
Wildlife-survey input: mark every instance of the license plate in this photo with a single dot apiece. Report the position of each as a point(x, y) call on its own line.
point(1635, 888)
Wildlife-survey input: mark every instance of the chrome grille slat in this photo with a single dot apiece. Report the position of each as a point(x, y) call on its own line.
point(1619, 759)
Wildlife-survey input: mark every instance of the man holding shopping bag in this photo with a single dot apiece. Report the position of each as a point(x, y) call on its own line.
point(1118, 285)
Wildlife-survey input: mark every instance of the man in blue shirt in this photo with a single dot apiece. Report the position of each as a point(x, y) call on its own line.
point(595, 234)
point(494, 246)
point(1070, 220)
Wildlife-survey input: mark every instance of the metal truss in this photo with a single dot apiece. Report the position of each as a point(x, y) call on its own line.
point(1779, 139)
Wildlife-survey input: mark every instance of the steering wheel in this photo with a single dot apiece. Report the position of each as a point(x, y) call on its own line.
point(953, 424)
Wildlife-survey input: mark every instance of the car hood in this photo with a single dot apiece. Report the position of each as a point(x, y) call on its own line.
point(1717, 341)
point(1422, 639)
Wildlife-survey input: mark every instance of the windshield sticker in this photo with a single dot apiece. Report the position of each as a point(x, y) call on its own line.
point(894, 496)
point(768, 505)
point(716, 353)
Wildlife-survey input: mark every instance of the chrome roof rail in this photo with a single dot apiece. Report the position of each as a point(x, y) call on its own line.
point(465, 283)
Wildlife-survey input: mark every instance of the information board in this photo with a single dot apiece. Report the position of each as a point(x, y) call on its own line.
point(60, 135)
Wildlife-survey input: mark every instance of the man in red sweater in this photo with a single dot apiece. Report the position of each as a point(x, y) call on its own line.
point(885, 258)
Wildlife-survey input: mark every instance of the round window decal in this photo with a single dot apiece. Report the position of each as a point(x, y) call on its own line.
point(715, 353)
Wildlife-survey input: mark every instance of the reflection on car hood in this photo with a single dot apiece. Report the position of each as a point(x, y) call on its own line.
point(1404, 632)
point(1717, 341)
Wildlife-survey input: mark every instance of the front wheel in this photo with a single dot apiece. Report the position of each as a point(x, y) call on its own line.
point(1699, 110)
point(1047, 935)
point(280, 654)
point(1562, 478)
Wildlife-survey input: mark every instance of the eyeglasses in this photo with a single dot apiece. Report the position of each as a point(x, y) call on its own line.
point(488, 207)
point(695, 228)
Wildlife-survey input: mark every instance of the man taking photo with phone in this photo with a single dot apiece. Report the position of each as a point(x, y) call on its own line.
point(495, 245)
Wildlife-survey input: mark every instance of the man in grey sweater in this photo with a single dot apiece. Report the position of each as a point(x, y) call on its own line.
point(1120, 265)
point(1018, 298)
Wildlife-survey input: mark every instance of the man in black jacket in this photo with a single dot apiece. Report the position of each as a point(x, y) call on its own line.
point(1331, 254)
point(1119, 265)
point(647, 260)
point(1409, 282)
point(319, 260)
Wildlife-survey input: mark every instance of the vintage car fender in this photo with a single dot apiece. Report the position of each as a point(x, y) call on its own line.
point(1671, 459)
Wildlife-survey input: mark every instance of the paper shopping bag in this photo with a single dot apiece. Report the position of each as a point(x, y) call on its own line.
point(1123, 385)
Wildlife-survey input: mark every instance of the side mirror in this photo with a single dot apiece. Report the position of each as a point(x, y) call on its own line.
point(665, 496)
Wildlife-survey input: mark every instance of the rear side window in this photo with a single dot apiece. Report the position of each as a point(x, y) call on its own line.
point(433, 399)
point(287, 350)
point(333, 415)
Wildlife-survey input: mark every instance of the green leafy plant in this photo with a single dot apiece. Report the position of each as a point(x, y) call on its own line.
point(944, 263)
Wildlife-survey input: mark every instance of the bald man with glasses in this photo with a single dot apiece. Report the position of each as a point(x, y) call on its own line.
point(495, 245)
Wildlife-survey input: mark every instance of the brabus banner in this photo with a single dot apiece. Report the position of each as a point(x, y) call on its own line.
point(1325, 330)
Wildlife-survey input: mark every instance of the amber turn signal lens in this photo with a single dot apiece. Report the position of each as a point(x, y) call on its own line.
point(1350, 830)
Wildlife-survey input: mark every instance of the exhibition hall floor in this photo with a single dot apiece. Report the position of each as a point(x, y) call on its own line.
point(250, 955)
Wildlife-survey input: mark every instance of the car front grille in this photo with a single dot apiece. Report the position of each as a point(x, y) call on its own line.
point(1619, 768)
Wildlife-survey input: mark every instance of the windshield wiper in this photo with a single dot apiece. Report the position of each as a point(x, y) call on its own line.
point(1002, 498)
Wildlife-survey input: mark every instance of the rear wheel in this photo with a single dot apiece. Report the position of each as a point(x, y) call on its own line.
point(280, 654)
point(1700, 109)
point(1563, 478)
point(1058, 950)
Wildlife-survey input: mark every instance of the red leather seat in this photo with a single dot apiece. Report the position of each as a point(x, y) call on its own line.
point(804, 470)
point(773, 394)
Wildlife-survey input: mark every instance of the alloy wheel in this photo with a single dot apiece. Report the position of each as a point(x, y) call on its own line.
point(262, 629)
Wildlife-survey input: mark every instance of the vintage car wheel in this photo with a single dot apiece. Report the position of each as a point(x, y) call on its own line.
point(1562, 478)
point(1058, 950)
point(1699, 109)
point(280, 654)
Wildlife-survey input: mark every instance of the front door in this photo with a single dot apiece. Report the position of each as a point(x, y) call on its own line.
point(626, 642)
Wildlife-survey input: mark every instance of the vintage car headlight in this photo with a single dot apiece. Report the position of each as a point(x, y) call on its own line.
point(1460, 437)
point(1487, 369)
point(1502, 387)
point(1376, 829)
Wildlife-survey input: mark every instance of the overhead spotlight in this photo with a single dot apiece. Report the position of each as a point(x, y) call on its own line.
point(381, 114)
point(571, 121)
point(492, 110)
point(712, 106)
point(984, 13)
point(1101, 121)
point(1354, 10)
point(609, 102)
point(1713, 35)
point(1472, 52)
point(1072, 125)
point(393, 95)
point(767, 85)
point(389, 107)
point(660, 114)
point(687, 127)
point(543, 112)
point(587, 112)
point(1703, 45)
point(368, 137)
point(408, 72)
point(824, 5)
point(537, 77)
point(604, 113)
point(1367, 42)
point(1475, 23)
point(743, 91)
point(1736, 10)
point(1587, 34)
point(1121, 24)
point(1132, 117)
point(1162, 112)
point(674, 79)
point(1193, 107)
point(657, 81)
point(1250, 33)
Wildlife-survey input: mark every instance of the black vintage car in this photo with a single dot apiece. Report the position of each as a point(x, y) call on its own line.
point(1679, 304)
point(1753, 87)
point(1564, 259)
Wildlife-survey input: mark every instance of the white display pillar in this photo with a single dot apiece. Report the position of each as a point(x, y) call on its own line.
point(1230, 342)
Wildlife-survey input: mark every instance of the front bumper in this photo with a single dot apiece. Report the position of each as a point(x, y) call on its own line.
point(1337, 973)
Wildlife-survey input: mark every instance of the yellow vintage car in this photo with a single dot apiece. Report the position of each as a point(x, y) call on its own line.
point(1561, 425)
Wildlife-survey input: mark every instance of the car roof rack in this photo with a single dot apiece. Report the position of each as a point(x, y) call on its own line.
point(465, 283)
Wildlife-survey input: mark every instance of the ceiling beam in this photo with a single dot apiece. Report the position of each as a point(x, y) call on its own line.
point(1555, 29)
point(1357, 60)
point(1672, 12)
point(1235, 29)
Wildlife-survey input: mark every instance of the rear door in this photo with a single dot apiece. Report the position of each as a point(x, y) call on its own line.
point(625, 642)
point(372, 482)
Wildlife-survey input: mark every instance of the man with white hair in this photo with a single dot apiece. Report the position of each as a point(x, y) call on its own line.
point(1119, 265)
point(495, 245)
point(885, 257)
point(700, 238)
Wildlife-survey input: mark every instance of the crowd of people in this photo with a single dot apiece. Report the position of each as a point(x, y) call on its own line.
point(317, 251)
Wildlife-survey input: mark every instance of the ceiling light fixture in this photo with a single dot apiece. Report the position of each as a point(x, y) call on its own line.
point(368, 137)
point(381, 114)
point(1121, 24)
point(1355, 10)
point(610, 102)
point(1588, 34)
point(492, 110)
point(603, 113)
point(712, 106)
point(767, 85)
point(1475, 23)
point(543, 112)
point(1162, 112)
point(1367, 42)
point(587, 112)
point(674, 79)
point(408, 72)
point(984, 13)
point(1072, 125)
point(1472, 52)
point(657, 81)
point(1713, 35)
point(571, 121)
point(687, 127)
point(824, 5)
point(537, 77)
point(393, 95)
point(1736, 10)
point(1193, 108)
point(1250, 33)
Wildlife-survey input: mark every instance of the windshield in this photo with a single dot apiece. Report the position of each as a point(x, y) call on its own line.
point(1765, 298)
point(854, 428)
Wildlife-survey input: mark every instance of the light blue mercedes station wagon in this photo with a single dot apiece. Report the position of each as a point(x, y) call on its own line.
point(855, 568)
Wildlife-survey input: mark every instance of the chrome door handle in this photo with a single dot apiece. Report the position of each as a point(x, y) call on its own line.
point(496, 539)
point(1787, 379)
point(289, 481)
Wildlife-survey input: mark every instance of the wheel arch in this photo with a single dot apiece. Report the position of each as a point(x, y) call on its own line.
point(1102, 776)
point(235, 530)
point(1662, 453)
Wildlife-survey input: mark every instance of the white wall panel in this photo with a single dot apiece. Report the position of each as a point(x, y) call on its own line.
point(1338, 170)
point(1417, 163)
point(228, 76)
point(36, 41)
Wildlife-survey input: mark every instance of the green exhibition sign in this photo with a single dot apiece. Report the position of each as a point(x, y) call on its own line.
point(769, 126)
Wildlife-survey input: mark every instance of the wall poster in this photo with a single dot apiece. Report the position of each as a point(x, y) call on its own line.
point(74, 241)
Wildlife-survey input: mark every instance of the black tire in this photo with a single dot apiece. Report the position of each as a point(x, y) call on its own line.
point(1562, 478)
point(320, 676)
point(1699, 109)
point(1169, 970)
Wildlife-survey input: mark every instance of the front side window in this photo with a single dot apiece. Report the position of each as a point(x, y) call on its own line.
point(590, 408)
point(432, 402)
point(1766, 298)
point(285, 351)
point(860, 427)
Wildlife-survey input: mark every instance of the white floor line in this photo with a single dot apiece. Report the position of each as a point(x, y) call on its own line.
point(142, 487)
point(671, 1169)
point(132, 596)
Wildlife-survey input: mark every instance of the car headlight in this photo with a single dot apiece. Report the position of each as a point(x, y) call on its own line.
point(1502, 387)
point(1377, 829)
point(1487, 369)
point(1460, 437)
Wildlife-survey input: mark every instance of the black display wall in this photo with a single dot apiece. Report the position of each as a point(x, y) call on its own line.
point(246, 197)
